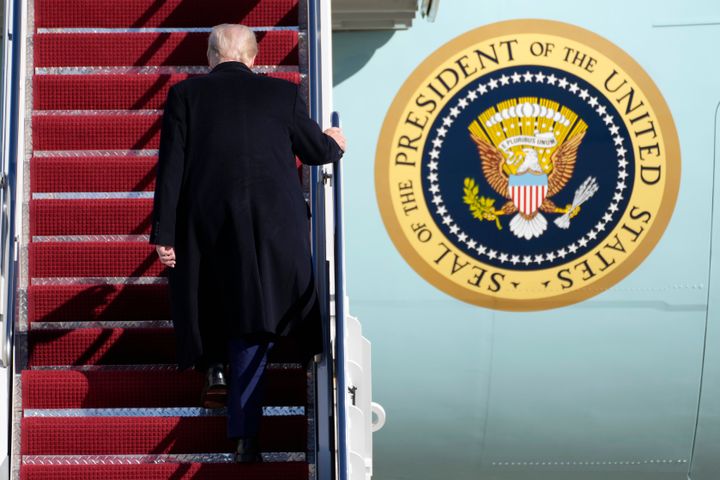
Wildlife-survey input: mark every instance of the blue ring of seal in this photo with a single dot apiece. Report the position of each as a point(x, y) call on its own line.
point(450, 155)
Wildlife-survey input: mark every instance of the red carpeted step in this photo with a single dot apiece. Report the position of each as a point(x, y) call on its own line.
point(91, 132)
point(117, 346)
point(143, 49)
point(152, 435)
point(101, 92)
point(110, 92)
point(96, 346)
point(168, 471)
point(143, 389)
point(78, 303)
point(93, 259)
point(93, 174)
point(91, 217)
point(169, 13)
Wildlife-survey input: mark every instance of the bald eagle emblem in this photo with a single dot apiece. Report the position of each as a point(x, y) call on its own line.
point(528, 148)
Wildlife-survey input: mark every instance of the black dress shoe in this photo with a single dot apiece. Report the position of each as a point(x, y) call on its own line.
point(214, 393)
point(248, 450)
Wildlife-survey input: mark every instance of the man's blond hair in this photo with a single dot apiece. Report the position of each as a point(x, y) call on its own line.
point(231, 42)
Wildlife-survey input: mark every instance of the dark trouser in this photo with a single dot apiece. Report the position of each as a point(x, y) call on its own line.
point(247, 360)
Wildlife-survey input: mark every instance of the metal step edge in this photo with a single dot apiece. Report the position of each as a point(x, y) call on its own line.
point(95, 324)
point(269, 457)
point(89, 113)
point(91, 195)
point(98, 281)
point(153, 69)
point(65, 30)
point(268, 411)
point(90, 238)
point(145, 152)
point(101, 324)
point(145, 368)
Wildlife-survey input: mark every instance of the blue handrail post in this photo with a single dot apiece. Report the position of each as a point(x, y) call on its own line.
point(324, 417)
point(340, 313)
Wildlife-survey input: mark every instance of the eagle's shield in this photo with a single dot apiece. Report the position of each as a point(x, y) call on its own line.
point(528, 191)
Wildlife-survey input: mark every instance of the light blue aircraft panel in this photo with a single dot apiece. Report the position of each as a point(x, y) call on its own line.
point(606, 389)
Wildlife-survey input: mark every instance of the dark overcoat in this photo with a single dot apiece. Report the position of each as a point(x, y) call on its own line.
point(229, 201)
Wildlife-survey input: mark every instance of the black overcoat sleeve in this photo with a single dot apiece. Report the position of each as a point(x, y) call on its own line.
point(171, 164)
point(308, 141)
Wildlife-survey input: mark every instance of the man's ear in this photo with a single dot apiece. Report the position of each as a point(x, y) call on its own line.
point(211, 60)
point(252, 61)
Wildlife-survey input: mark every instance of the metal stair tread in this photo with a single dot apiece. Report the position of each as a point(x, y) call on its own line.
point(101, 324)
point(89, 460)
point(151, 69)
point(116, 30)
point(96, 280)
point(268, 411)
point(146, 367)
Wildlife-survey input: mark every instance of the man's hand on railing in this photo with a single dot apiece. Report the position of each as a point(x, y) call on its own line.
point(337, 135)
point(167, 255)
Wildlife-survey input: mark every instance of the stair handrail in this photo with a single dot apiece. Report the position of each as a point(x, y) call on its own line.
point(325, 411)
point(8, 176)
point(340, 311)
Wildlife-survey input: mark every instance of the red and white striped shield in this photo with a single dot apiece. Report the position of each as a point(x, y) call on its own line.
point(528, 191)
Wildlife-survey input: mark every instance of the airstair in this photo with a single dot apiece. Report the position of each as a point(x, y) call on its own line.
point(89, 344)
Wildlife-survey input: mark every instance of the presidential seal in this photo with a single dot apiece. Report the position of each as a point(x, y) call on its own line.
point(527, 165)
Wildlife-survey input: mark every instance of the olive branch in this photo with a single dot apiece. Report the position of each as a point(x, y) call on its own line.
point(481, 208)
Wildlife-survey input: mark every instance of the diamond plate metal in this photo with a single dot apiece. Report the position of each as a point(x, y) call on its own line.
point(310, 401)
point(90, 195)
point(269, 411)
point(101, 324)
point(24, 235)
point(272, 457)
point(15, 445)
point(278, 68)
point(157, 70)
point(284, 366)
point(108, 368)
point(50, 113)
point(302, 15)
point(284, 411)
point(96, 153)
point(303, 58)
point(284, 457)
point(20, 352)
point(163, 367)
point(100, 281)
point(45, 31)
point(91, 238)
point(22, 305)
point(126, 412)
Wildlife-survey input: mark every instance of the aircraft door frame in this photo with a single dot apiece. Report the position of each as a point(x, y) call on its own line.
point(705, 462)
